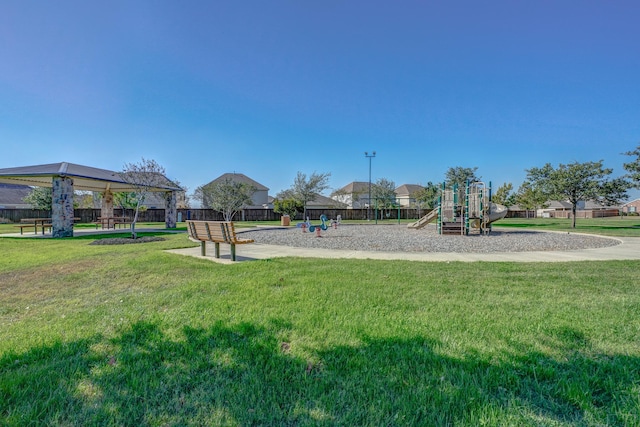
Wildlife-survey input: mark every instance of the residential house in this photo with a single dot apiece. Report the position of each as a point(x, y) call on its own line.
point(260, 197)
point(405, 194)
point(584, 209)
point(354, 195)
point(12, 196)
point(632, 207)
point(324, 202)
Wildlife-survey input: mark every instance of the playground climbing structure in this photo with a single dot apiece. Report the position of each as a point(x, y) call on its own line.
point(463, 209)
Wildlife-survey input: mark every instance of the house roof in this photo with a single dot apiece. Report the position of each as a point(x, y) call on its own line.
point(557, 204)
point(239, 177)
point(13, 194)
point(353, 187)
point(408, 189)
point(631, 202)
point(321, 200)
point(588, 205)
point(84, 178)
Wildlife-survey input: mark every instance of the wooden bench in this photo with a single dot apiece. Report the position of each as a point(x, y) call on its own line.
point(216, 232)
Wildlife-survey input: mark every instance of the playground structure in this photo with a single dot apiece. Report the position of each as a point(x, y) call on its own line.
point(317, 228)
point(460, 210)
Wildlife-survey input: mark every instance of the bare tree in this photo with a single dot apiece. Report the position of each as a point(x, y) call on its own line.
point(227, 196)
point(143, 177)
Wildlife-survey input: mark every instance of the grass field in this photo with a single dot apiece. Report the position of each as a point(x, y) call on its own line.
point(620, 226)
point(132, 335)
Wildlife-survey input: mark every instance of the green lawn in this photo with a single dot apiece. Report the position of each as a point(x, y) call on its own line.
point(619, 226)
point(132, 335)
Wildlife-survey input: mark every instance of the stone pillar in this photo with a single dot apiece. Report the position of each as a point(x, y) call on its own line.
point(106, 209)
point(62, 207)
point(170, 209)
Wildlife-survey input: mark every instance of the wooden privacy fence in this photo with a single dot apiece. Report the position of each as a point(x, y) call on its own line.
point(587, 213)
point(157, 215)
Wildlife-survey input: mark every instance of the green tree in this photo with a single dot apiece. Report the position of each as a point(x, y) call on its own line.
point(288, 206)
point(305, 190)
point(530, 198)
point(577, 182)
point(502, 194)
point(125, 200)
point(227, 196)
point(83, 199)
point(633, 167)
point(40, 198)
point(460, 175)
point(614, 191)
point(427, 196)
point(383, 193)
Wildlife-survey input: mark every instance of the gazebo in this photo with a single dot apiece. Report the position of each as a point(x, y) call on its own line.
point(64, 178)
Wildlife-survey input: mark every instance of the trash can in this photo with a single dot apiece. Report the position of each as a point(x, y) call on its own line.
point(285, 220)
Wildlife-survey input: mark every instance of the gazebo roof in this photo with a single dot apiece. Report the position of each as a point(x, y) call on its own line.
point(84, 177)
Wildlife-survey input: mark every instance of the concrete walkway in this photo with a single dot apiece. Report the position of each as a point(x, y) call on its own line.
point(628, 249)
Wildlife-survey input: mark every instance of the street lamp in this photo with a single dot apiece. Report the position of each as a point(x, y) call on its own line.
point(369, 156)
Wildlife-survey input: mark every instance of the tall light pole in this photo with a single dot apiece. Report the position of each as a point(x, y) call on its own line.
point(369, 156)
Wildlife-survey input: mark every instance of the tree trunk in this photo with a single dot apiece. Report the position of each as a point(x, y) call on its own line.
point(573, 213)
point(133, 223)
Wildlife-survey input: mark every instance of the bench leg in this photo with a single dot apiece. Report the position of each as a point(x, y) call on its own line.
point(203, 248)
point(233, 252)
point(217, 249)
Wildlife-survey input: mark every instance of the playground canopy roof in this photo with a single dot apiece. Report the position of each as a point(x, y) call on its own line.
point(85, 178)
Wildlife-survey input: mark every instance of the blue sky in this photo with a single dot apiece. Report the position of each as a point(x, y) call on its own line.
point(269, 89)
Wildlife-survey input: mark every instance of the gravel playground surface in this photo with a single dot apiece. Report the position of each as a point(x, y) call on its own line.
point(392, 238)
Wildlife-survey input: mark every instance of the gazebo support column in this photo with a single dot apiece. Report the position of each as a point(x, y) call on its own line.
point(170, 210)
point(106, 209)
point(62, 207)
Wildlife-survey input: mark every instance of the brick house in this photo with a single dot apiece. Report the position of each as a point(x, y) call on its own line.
point(632, 207)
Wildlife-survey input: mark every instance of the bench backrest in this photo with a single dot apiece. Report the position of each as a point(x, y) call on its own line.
point(212, 231)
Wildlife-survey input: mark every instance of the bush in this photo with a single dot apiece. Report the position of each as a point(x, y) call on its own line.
point(289, 207)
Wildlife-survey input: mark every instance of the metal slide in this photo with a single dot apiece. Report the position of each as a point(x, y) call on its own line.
point(424, 220)
point(497, 212)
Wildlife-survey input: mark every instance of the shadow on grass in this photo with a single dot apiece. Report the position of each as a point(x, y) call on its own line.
point(123, 235)
point(244, 375)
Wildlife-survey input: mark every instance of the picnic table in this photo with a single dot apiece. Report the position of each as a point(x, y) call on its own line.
point(35, 223)
point(111, 221)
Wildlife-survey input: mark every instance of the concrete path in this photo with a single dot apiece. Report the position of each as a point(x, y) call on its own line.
point(628, 249)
